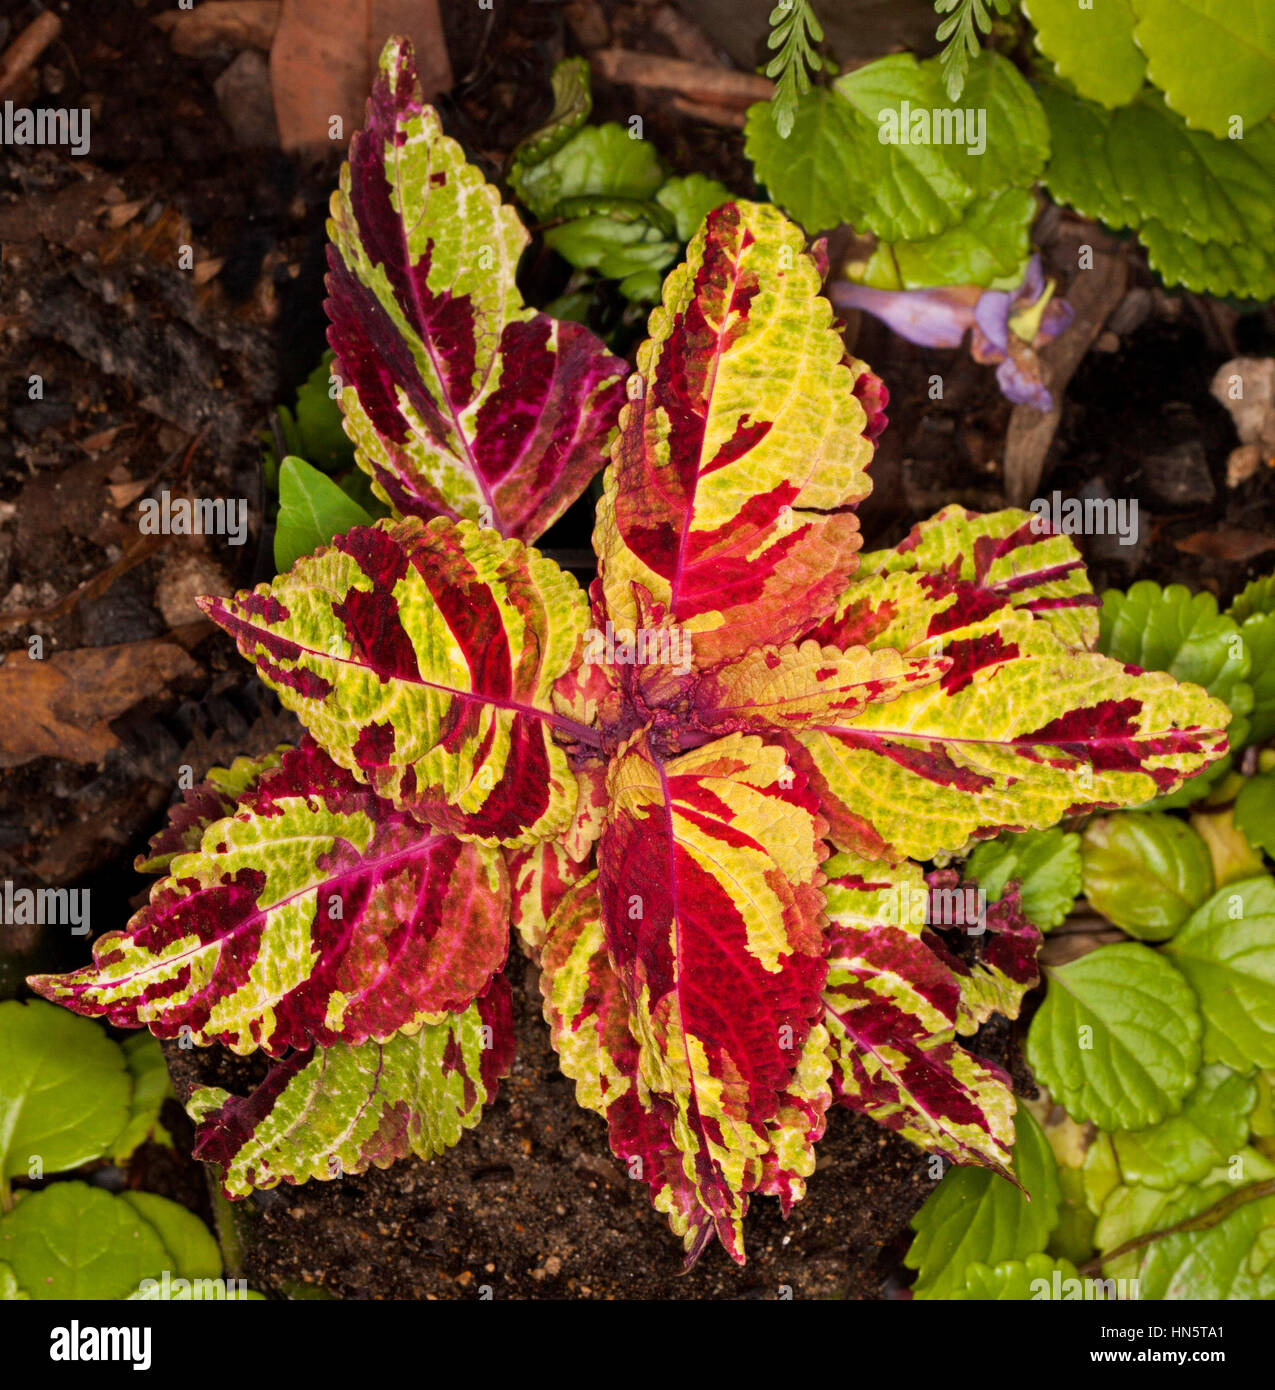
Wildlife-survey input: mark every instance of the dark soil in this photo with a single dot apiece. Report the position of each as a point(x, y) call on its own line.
point(149, 377)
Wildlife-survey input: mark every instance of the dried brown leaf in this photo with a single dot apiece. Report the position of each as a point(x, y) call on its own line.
point(60, 707)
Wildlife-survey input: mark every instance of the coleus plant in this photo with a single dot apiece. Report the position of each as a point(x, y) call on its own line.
point(700, 793)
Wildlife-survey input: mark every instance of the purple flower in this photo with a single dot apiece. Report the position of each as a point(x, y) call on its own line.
point(1005, 328)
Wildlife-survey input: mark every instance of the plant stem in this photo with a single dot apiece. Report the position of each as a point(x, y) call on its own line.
point(1201, 1221)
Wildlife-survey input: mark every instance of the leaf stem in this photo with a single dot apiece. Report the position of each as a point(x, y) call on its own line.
point(581, 732)
point(1201, 1221)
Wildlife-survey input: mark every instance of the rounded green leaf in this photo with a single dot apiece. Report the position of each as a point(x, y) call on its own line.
point(1255, 811)
point(1117, 1040)
point(1130, 1211)
point(990, 243)
point(1092, 47)
point(1243, 270)
point(10, 1292)
point(1078, 131)
point(1204, 226)
point(975, 1215)
point(1016, 1280)
point(72, 1241)
point(617, 237)
point(1213, 59)
point(810, 173)
point(901, 191)
point(1227, 951)
point(1145, 871)
point(1017, 133)
point(64, 1090)
point(1212, 1127)
point(195, 1254)
point(1045, 864)
point(1233, 1258)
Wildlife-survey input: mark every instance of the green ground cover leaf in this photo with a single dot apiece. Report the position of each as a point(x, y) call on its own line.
point(975, 1215)
point(72, 1241)
point(1199, 204)
point(1141, 1051)
point(1093, 48)
point(1255, 811)
point(1013, 1280)
point(1213, 59)
point(151, 1087)
point(195, 1254)
point(64, 1090)
point(1145, 871)
point(1227, 952)
point(312, 509)
point(1212, 1126)
point(990, 243)
point(597, 161)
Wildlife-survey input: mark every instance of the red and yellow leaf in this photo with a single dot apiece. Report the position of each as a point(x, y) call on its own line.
point(791, 687)
point(423, 658)
point(346, 1108)
point(588, 1016)
point(742, 448)
point(709, 880)
point(210, 800)
point(1019, 732)
point(994, 967)
point(461, 401)
point(316, 912)
point(539, 878)
point(1010, 558)
point(892, 1008)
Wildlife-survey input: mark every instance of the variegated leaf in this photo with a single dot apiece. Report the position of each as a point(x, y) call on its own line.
point(1019, 732)
point(799, 1123)
point(345, 1108)
point(316, 912)
point(212, 799)
point(709, 879)
point(742, 448)
point(423, 658)
point(984, 561)
point(539, 878)
point(892, 1008)
point(791, 687)
point(457, 396)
